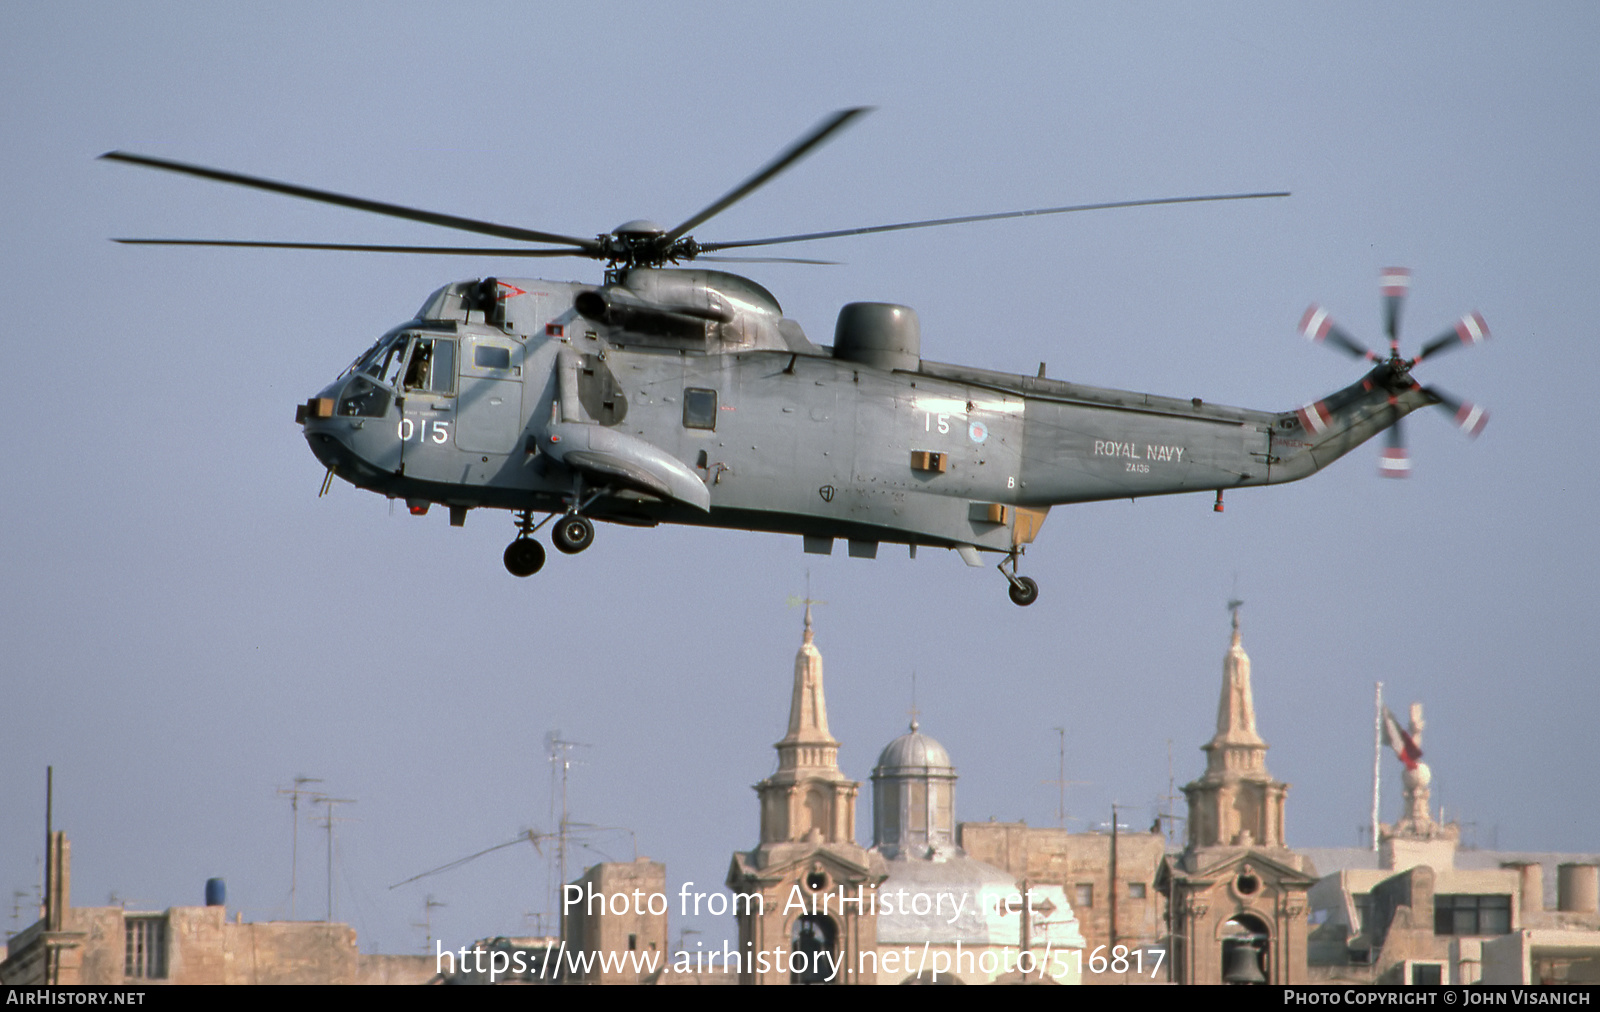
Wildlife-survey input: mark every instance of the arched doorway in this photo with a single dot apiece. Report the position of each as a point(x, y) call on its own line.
point(812, 944)
point(1246, 951)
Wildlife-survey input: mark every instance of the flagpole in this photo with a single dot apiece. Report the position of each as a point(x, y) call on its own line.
point(1377, 757)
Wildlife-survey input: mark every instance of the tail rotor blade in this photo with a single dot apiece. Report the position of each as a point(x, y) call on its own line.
point(1396, 462)
point(1318, 326)
point(1396, 282)
point(1469, 417)
point(1470, 329)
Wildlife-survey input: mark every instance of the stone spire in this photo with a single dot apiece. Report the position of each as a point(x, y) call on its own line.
point(1236, 745)
point(808, 741)
point(1236, 801)
point(808, 794)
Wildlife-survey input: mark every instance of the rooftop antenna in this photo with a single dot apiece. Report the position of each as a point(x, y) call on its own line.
point(328, 822)
point(1170, 817)
point(533, 836)
point(683, 938)
point(1061, 779)
point(17, 896)
point(295, 793)
point(538, 920)
point(561, 755)
point(426, 924)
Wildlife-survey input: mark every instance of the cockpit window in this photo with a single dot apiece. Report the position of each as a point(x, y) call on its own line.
point(389, 364)
point(382, 360)
point(363, 398)
point(433, 366)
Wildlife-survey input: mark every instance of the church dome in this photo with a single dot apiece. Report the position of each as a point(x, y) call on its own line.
point(913, 799)
point(913, 752)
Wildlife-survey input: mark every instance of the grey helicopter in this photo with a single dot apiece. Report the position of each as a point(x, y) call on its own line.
point(683, 395)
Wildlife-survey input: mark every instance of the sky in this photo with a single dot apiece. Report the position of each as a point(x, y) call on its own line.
point(187, 626)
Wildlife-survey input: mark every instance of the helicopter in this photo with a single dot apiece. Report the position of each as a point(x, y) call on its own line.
point(683, 395)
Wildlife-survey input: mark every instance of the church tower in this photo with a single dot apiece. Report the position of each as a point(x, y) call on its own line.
point(808, 792)
point(1236, 801)
point(1237, 894)
point(793, 927)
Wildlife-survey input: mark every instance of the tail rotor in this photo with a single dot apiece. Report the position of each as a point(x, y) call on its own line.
point(1319, 327)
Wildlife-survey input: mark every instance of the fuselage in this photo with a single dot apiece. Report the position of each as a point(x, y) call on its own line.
point(465, 406)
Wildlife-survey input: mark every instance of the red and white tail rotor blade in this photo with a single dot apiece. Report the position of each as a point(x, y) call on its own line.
point(1396, 283)
point(1470, 329)
point(1469, 417)
point(1396, 460)
point(1317, 326)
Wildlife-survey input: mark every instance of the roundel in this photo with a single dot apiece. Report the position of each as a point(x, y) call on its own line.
point(978, 432)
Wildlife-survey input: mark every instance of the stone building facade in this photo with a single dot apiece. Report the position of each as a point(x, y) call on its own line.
point(187, 945)
point(1422, 911)
point(1115, 902)
point(611, 909)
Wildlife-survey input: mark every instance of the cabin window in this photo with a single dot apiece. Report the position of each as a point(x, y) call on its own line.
point(487, 356)
point(433, 366)
point(700, 409)
point(1083, 895)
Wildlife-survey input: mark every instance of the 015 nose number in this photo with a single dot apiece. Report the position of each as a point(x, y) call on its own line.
point(424, 430)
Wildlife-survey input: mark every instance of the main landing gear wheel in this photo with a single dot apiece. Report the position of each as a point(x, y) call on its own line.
point(572, 534)
point(524, 557)
point(1024, 591)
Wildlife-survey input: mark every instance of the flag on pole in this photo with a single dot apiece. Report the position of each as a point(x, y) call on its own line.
point(1402, 743)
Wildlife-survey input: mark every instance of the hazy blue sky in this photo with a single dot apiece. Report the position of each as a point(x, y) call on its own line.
point(186, 626)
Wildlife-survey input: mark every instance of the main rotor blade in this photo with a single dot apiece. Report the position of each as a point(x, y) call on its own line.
point(770, 260)
point(986, 217)
point(356, 203)
point(795, 152)
point(517, 251)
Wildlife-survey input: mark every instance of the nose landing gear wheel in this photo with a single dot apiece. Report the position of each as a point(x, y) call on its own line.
point(1024, 592)
point(572, 534)
point(524, 557)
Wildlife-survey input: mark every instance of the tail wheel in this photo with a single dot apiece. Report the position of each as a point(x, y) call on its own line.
point(1024, 592)
point(572, 534)
point(524, 557)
